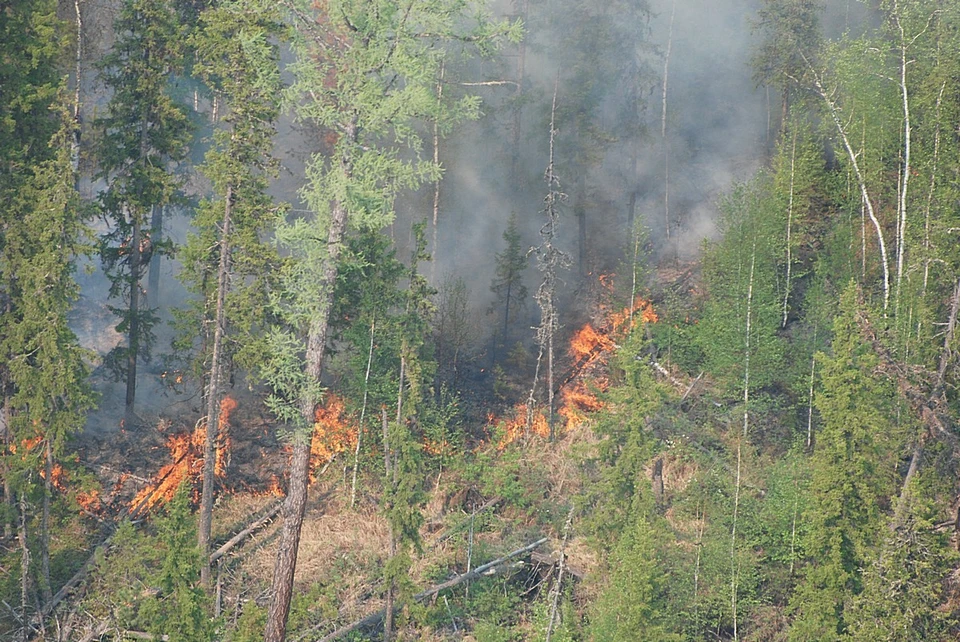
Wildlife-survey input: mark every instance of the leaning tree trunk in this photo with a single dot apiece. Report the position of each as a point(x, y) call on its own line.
point(213, 393)
point(296, 500)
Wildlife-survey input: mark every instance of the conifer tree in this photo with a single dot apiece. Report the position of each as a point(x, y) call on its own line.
point(31, 40)
point(366, 71)
point(47, 374)
point(851, 476)
point(142, 132)
point(227, 263)
point(508, 284)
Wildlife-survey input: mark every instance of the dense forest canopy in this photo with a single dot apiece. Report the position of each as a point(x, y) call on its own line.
point(485, 320)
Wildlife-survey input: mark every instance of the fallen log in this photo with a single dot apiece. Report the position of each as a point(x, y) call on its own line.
point(247, 532)
point(488, 569)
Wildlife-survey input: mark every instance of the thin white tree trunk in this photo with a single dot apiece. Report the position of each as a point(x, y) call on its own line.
point(363, 412)
point(864, 193)
point(786, 294)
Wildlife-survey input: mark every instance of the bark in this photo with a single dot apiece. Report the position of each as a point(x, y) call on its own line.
point(133, 337)
point(518, 102)
point(786, 294)
point(24, 567)
point(734, 566)
point(363, 413)
point(663, 123)
point(153, 275)
point(656, 481)
point(213, 392)
point(436, 184)
point(5, 417)
point(296, 500)
point(907, 134)
point(559, 584)
point(45, 522)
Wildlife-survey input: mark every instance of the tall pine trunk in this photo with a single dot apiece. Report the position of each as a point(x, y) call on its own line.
point(213, 392)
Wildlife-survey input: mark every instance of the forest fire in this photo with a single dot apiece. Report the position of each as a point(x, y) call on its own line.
point(186, 454)
point(332, 433)
point(515, 428)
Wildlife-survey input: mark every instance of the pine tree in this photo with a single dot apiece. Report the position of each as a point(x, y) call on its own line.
point(142, 133)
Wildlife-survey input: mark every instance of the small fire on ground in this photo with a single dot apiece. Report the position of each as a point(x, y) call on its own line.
point(186, 455)
point(588, 346)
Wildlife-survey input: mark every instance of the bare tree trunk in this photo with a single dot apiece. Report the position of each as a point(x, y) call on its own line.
point(5, 417)
point(786, 293)
point(907, 136)
point(663, 124)
point(296, 500)
point(45, 522)
point(558, 587)
point(932, 190)
point(24, 568)
point(363, 413)
point(518, 104)
point(134, 312)
point(861, 181)
point(213, 392)
point(387, 463)
point(734, 566)
point(153, 276)
point(436, 185)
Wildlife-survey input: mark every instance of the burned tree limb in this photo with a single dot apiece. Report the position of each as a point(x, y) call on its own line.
point(247, 532)
point(486, 570)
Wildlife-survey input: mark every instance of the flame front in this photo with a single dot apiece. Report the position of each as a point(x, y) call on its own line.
point(515, 428)
point(332, 433)
point(186, 455)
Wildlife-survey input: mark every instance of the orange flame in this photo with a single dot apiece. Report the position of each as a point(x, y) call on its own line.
point(332, 433)
point(227, 405)
point(186, 455)
point(577, 403)
point(515, 428)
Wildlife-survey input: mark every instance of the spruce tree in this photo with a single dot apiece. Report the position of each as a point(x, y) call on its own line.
point(47, 371)
point(508, 284)
point(142, 133)
point(851, 477)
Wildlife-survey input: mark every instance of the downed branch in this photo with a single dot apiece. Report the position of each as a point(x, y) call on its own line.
point(247, 532)
point(488, 569)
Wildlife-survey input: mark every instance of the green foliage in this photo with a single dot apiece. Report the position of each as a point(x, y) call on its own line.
point(141, 132)
point(632, 606)
point(238, 57)
point(851, 478)
point(628, 443)
point(507, 286)
point(903, 584)
point(741, 274)
point(180, 608)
